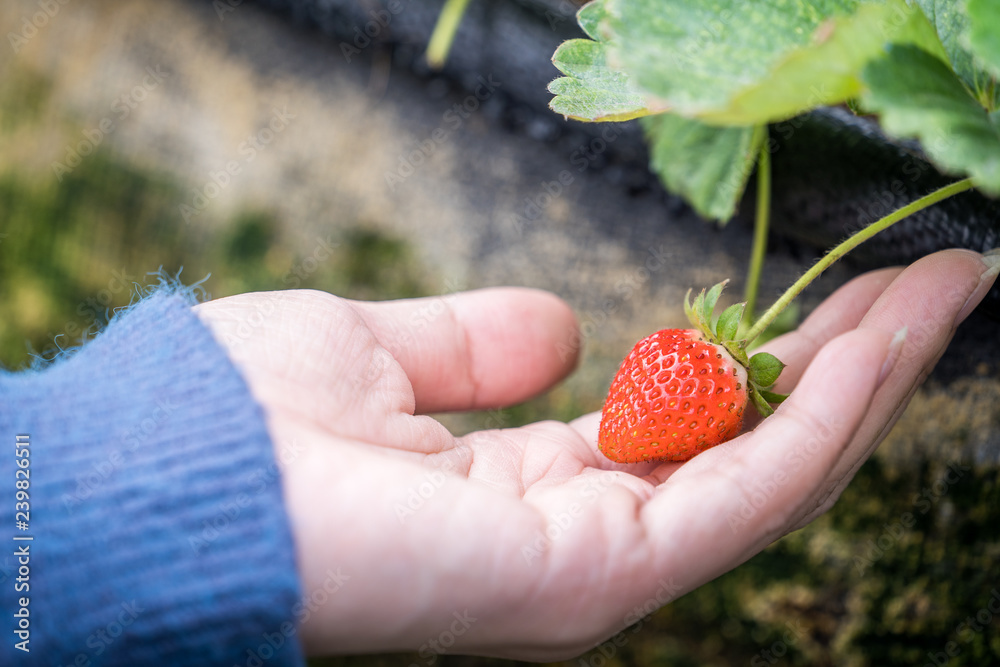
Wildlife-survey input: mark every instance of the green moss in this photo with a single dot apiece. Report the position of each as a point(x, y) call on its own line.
point(72, 248)
point(250, 238)
point(24, 94)
point(375, 265)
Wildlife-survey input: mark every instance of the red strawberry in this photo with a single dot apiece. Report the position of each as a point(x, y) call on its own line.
point(674, 396)
point(682, 391)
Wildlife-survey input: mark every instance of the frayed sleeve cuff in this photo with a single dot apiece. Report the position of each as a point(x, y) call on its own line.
point(159, 533)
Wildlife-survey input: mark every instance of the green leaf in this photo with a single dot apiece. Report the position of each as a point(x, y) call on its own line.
point(736, 62)
point(763, 408)
point(591, 16)
point(729, 322)
point(984, 36)
point(695, 310)
point(952, 22)
point(711, 298)
point(688, 308)
point(919, 95)
point(591, 91)
point(707, 165)
point(772, 397)
point(765, 369)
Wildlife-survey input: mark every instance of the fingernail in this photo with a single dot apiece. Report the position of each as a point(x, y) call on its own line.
point(991, 259)
point(892, 355)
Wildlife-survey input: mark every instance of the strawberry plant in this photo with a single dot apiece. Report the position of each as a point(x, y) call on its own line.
point(706, 79)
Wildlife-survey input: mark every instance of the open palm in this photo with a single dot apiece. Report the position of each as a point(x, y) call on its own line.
point(527, 542)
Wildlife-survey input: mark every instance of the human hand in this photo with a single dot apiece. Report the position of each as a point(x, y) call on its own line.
point(531, 544)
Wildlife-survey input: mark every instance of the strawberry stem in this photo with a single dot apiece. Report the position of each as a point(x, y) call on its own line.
point(759, 227)
point(444, 32)
point(846, 246)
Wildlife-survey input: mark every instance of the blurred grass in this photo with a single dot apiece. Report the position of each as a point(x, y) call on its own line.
point(65, 247)
point(71, 251)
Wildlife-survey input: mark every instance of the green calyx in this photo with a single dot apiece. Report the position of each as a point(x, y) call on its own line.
point(763, 369)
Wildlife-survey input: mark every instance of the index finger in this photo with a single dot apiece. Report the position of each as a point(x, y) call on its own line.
point(929, 298)
point(731, 501)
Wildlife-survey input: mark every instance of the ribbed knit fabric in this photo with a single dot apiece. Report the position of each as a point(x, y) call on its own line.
point(160, 535)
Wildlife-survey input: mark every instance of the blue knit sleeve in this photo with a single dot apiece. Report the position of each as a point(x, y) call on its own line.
point(152, 529)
